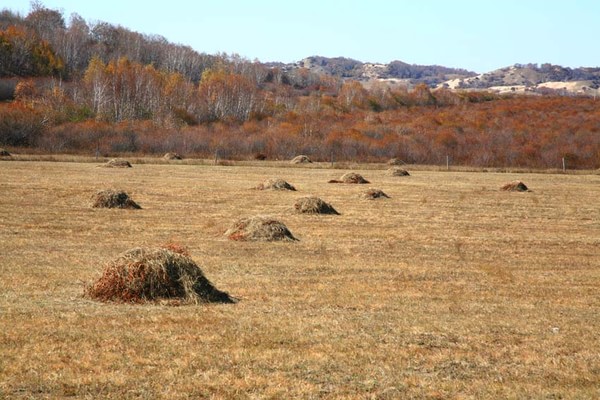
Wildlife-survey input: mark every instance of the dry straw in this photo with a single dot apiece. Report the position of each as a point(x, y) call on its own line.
point(149, 274)
point(373, 193)
point(397, 172)
point(113, 199)
point(172, 156)
point(275, 184)
point(515, 186)
point(395, 161)
point(259, 228)
point(301, 159)
point(350, 177)
point(314, 205)
point(117, 163)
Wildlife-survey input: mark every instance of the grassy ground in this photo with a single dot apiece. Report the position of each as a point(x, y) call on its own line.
point(450, 289)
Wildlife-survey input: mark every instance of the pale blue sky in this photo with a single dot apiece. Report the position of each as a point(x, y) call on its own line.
point(479, 35)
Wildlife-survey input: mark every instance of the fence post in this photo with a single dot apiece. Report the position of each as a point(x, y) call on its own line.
point(564, 165)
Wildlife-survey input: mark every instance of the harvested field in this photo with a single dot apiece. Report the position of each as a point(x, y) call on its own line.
point(449, 289)
point(314, 205)
point(275, 184)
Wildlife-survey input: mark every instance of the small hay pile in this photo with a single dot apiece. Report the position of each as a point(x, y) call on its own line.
point(373, 193)
point(395, 161)
point(117, 163)
point(275, 184)
point(301, 159)
point(259, 228)
point(150, 274)
point(113, 199)
point(4, 153)
point(397, 172)
point(515, 186)
point(350, 177)
point(314, 205)
point(172, 156)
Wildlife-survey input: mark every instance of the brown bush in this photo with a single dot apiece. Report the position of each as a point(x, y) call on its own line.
point(149, 274)
point(301, 159)
point(350, 177)
point(4, 153)
point(113, 199)
point(275, 184)
point(515, 186)
point(397, 172)
point(372, 194)
point(314, 205)
point(259, 228)
point(117, 163)
point(172, 156)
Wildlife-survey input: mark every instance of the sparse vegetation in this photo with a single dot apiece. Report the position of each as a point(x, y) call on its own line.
point(450, 289)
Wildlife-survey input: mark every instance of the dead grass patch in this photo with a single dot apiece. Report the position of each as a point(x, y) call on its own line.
point(350, 177)
point(395, 161)
point(149, 274)
point(4, 153)
point(117, 163)
point(259, 228)
point(372, 193)
point(113, 199)
point(515, 186)
point(275, 184)
point(314, 205)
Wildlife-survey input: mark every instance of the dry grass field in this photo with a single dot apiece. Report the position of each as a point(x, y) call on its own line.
point(449, 289)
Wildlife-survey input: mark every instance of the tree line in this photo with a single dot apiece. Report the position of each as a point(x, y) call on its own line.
point(82, 88)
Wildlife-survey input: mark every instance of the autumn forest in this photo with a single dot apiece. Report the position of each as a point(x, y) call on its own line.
point(82, 88)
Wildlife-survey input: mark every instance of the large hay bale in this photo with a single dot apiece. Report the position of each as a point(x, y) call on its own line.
point(314, 205)
point(113, 199)
point(4, 153)
point(275, 184)
point(149, 274)
point(395, 171)
point(301, 159)
point(172, 156)
point(373, 193)
point(350, 177)
point(259, 228)
point(515, 186)
point(117, 163)
point(395, 161)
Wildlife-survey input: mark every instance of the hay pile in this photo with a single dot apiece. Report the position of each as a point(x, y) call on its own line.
point(515, 186)
point(172, 156)
point(314, 205)
point(4, 153)
point(301, 159)
point(275, 184)
point(372, 194)
point(113, 199)
point(259, 228)
point(117, 163)
point(395, 161)
point(397, 172)
point(350, 177)
point(149, 274)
